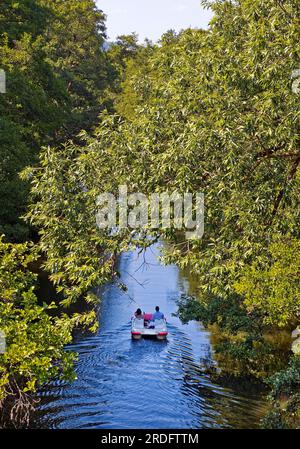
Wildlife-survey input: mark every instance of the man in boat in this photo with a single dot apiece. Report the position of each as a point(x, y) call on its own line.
point(157, 315)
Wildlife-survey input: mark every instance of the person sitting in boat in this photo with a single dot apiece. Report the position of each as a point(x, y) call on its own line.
point(157, 315)
point(139, 314)
point(147, 319)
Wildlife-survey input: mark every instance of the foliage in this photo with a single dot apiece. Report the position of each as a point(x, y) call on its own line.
point(210, 111)
point(35, 340)
point(285, 397)
point(227, 314)
point(124, 56)
point(244, 347)
point(119, 52)
point(65, 188)
point(57, 75)
point(213, 111)
point(34, 106)
point(273, 286)
point(203, 111)
point(26, 17)
point(74, 48)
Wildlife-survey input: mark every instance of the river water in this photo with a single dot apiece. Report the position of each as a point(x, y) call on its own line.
point(145, 384)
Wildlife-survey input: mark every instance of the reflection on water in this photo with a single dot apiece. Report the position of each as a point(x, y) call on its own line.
point(145, 384)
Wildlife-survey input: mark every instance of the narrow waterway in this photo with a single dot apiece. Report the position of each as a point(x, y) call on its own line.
point(145, 384)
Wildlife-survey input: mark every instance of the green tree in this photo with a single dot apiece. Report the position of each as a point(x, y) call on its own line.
point(74, 47)
point(31, 112)
point(34, 340)
point(272, 285)
point(24, 17)
point(57, 78)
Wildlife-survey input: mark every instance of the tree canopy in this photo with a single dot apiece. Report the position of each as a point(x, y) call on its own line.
point(57, 75)
point(210, 111)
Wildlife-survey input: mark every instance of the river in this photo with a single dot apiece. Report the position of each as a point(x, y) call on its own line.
point(145, 384)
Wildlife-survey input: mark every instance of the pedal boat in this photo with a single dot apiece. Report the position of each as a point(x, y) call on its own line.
point(145, 327)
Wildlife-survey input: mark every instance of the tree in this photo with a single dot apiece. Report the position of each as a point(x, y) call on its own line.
point(34, 340)
point(31, 112)
point(125, 55)
point(74, 47)
point(57, 77)
point(272, 285)
point(26, 17)
point(215, 113)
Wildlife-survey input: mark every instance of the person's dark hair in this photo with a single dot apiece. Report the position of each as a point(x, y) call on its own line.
point(138, 312)
point(157, 309)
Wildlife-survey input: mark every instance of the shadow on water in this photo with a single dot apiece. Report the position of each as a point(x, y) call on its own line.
point(145, 384)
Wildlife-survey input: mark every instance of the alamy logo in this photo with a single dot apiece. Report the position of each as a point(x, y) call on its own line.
point(158, 211)
point(2, 342)
point(2, 82)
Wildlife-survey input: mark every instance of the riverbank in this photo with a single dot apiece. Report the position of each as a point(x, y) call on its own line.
point(249, 353)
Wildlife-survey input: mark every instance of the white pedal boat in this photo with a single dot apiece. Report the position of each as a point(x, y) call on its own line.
point(144, 327)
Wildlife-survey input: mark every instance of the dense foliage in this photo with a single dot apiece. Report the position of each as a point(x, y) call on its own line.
point(57, 74)
point(34, 340)
point(64, 191)
point(203, 111)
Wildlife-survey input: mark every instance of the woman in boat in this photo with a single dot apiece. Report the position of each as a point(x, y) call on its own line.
point(139, 314)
